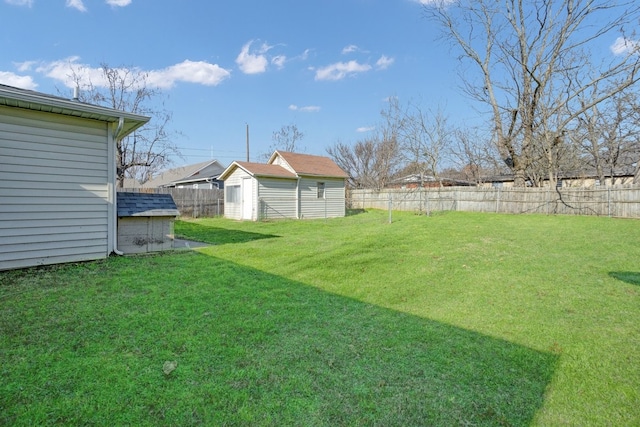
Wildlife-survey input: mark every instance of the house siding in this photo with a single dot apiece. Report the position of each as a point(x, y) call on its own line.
point(331, 206)
point(281, 162)
point(277, 198)
point(54, 192)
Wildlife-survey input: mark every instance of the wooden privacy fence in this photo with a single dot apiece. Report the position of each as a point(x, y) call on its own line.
point(191, 202)
point(623, 202)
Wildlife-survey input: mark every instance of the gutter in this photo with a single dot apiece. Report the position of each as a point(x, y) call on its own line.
point(114, 194)
point(298, 213)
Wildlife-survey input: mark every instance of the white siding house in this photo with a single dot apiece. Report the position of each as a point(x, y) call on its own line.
point(202, 175)
point(289, 185)
point(57, 178)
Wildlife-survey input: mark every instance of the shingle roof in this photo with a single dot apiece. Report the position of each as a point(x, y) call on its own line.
point(307, 164)
point(175, 175)
point(261, 169)
point(143, 204)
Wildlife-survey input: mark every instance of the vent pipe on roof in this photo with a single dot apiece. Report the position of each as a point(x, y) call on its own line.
point(76, 93)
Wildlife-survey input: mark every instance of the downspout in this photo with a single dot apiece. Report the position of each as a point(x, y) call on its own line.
point(298, 210)
point(114, 195)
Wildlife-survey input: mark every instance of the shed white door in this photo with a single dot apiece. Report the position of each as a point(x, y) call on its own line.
point(247, 198)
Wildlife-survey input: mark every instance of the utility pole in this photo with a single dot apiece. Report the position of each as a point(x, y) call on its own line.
point(247, 142)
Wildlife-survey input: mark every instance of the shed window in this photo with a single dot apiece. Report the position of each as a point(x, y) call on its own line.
point(233, 194)
point(321, 190)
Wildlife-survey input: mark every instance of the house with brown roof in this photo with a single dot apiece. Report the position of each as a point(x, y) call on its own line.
point(289, 185)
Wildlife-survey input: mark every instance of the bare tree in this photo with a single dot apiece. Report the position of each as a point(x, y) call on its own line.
point(425, 138)
point(370, 163)
point(150, 148)
point(287, 138)
point(473, 154)
point(609, 135)
point(534, 60)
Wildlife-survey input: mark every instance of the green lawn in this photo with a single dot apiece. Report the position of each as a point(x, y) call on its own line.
point(454, 319)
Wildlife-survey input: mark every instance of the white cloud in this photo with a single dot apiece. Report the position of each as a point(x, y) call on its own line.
point(365, 129)
point(279, 61)
point(77, 4)
point(24, 66)
point(624, 46)
point(349, 49)
point(198, 72)
point(340, 70)
point(253, 62)
point(27, 3)
point(437, 3)
point(384, 62)
point(11, 79)
point(118, 3)
point(63, 70)
point(305, 55)
point(307, 109)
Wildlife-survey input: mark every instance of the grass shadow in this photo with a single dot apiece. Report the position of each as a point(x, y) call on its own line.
point(352, 212)
point(626, 276)
point(250, 348)
point(215, 235)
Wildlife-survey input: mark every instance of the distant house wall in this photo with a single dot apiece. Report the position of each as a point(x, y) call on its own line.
point(281, 162)
point(277, 198)
point(331, 205)
point(54, 188)
point(576, 182)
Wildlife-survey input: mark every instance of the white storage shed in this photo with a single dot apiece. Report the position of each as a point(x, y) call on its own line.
point(289, 185)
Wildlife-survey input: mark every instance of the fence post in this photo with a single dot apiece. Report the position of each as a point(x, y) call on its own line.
point(498, 201)
point(609, 202)
point(390, 202)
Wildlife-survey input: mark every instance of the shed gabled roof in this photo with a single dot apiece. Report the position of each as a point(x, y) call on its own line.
point(297, 165)
point(258, 169)
point(307, 164)
point(143, 204)
point(31, 100)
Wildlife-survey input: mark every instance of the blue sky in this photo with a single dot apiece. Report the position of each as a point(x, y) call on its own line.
point(327, 66)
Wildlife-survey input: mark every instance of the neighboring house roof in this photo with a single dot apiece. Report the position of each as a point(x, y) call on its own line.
point(416, 178)
point(21, 98)
point(307, 164)
point(623, 171)
point(188, 173)
point(143, 204)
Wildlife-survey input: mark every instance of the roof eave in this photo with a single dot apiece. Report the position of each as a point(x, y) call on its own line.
point(35, 101)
